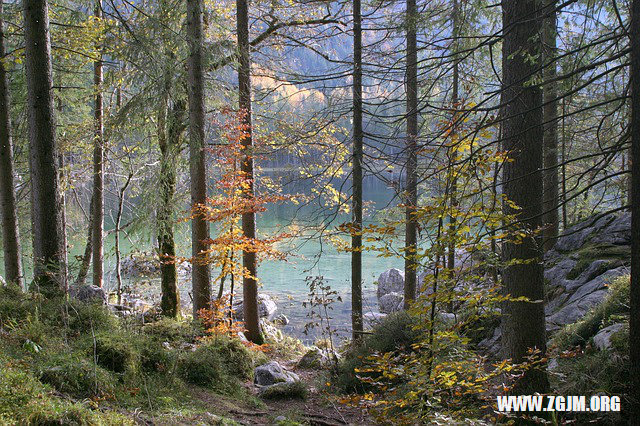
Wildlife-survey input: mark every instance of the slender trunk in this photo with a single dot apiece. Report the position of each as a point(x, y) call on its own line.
point(10, 230)
point(249, 263)
point(411, 201)
point(86, 257)
point(564, 169)
point(550, 118)
point(46, 200)
point(455, 99)
point(356, 236)
point(121, 195)
point(169, 141)
point(634, 322)
point(523, 323)
point(98, 170)
point(201, 286)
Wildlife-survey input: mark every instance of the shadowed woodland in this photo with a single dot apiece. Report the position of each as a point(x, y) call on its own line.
point(319, 212)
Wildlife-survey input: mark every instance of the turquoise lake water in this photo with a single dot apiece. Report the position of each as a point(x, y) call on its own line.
point(285, 281)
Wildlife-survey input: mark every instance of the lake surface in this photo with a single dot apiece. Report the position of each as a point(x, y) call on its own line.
point(285, 281)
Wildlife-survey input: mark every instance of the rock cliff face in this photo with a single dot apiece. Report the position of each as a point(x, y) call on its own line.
point(578, 269)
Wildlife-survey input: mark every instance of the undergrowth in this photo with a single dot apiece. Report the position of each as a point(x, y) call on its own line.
point(68, 362)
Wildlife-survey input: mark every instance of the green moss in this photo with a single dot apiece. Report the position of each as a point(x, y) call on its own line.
point(592, 252)
point(155, 358)
point(613, 308)
point(171, 330)
point(217, 364)
point(25, 400)
point(116, 352)
point(288, 390)
point(77, 377)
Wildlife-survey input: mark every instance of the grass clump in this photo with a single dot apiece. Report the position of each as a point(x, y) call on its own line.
point(614, 308)
point(396, 332)
point(285, 390)
point(78, 377)
point(25, 400)
point(216, 364)
point(171, 330)
point(116, 352)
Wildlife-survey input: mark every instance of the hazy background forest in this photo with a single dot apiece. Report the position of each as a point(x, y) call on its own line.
point(428, 202)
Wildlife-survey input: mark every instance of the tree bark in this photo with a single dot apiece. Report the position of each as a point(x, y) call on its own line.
point(356, 237)
point(550, 117)
point(88, 249)
point(46, 200)
point(201, 286)
point(523, 323)
point(411, 198)
point(10, 228)
point(97, 232)
point(455, 95)
point(249, 261)
point(634, 322)
point(169, 133)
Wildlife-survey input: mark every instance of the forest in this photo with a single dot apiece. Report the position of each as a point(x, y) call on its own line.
point(311, 212)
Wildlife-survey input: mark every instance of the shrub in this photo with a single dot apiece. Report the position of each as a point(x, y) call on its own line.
point(215, 362)
point(77, 377)
point(394, 333)
point(84, 317)
point(25, 400)
point(14, 304)
point(154, 357)
point(171, 330)
point(117, 352)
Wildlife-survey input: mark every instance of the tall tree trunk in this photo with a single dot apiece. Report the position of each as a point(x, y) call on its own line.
point(455, 100)
point(356, 237)
point(10, 230)
point(169, 141)
point(201, 286)
point(411, 197)
point(550, 118)
point(565, 225)
point(97, 232)
point(523, 323)
point(634, 322)
point(46, 200)
point(88, 249)
point(249, 261)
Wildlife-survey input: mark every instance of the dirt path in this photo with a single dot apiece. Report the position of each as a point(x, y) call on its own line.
point(318, 409)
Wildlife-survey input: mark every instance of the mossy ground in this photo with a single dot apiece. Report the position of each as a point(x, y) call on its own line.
point(65, 362)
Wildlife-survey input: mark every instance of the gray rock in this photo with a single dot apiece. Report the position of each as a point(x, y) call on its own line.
point(374, 317)
point(271, 373)
point(618, 231)
point(390, 303)
point(602, 340)
point(573, 238)
point(316, 358)
point(270, 331)
point(281, 319)
point(598, 283)
point(89, 294)
point(558, 273)
point(575, 310)
point(267, 307)
point(280, 419)
point(390, 281)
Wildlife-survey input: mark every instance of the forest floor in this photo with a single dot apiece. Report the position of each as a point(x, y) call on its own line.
point(319, 408)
